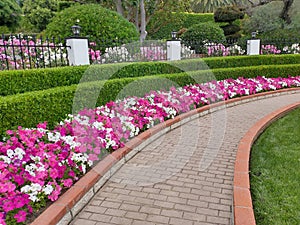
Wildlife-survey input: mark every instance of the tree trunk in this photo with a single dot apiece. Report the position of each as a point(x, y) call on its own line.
point(285, 11)
point(119, 7)
point(143, 31)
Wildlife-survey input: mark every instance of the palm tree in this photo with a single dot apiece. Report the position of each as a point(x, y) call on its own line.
point(204, 6)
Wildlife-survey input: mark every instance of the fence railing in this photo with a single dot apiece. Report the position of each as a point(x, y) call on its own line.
point(27, 52)
point(101, 51)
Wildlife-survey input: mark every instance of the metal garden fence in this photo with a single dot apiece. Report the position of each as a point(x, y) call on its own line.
point(28, 52)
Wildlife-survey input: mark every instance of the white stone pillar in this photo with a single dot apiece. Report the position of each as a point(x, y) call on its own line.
point(78, 52)
point(253, 47)
point(173, 50)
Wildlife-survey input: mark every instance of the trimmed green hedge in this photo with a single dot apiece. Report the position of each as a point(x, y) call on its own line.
point(54, 104)
point(20, 81)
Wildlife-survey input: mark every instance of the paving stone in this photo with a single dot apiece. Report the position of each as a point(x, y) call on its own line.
point(185, 176)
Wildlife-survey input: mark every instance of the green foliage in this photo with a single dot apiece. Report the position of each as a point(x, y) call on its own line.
point(265, 18)
point(201, 33)
point(20, 81)
point(52, 105)
point(95, 21)
point(204, 6)
point(228, 14)
point(39, 12)
point(64, 4)
point(10, 13)
point(4, 30)
point(280, 34)
point(159, 28)
point(230, 29)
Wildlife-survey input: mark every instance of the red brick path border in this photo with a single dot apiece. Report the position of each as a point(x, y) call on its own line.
point(242, 206)
point(242, 201)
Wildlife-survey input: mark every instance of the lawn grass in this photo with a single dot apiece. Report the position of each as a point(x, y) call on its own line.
point(275, 173)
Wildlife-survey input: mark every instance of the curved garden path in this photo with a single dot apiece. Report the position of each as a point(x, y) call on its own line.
point(185, 177)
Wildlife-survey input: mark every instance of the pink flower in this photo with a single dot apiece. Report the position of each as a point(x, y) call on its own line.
point(20, 216)
point(68, 182)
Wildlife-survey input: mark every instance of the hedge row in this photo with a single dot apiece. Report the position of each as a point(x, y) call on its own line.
point(20, 81)
point(54, 104)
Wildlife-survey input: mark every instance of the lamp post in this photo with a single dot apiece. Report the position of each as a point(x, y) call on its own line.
point(253, 45)
point(173, 47)
point(78, 49)
point(76, 29)
point(174, 35)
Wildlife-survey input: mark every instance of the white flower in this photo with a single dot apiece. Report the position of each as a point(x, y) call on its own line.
point(10, 153)
point(48, 189)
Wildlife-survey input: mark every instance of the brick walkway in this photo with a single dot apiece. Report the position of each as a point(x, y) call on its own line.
point(184, 177)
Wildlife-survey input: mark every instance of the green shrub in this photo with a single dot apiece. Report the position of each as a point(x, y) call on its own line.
point(10, 13)
point(265, 18)
point(201, 33)
point(158, 29)
point(53, 105)
point(39, 12)
point(64, 4)
point(95, 21)
point(20, 81)
point(228, 14)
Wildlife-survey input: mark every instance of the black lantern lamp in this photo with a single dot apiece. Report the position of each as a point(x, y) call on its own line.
point(174, 35)
point(253, 34)
point(76, 29)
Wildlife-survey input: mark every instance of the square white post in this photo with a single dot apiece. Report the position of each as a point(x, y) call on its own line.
point(253, 47)
point(174, 50)
point(78, 52)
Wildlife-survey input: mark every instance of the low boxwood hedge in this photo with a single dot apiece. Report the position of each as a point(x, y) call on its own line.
point(54, 104)
point(20, 81)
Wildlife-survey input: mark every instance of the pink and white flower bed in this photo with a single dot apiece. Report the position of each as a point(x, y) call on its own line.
point(37, 164)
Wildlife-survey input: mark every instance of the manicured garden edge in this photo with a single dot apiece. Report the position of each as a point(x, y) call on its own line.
point(242, 201)
point(52, 105)
point(71, 202)
point(22, 81)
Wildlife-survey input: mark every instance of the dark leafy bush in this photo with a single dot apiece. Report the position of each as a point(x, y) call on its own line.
point(96, 22)
point(159, 29)
point(230, 29)
point(53, 105)
point(202, 33)
point(228, 14)
point(10, 13)
point(39, 12)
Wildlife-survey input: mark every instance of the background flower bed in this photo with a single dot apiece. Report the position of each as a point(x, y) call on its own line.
point(25, 53)
point(37, 164)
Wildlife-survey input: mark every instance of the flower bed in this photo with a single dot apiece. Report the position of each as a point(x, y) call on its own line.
point(37, 164)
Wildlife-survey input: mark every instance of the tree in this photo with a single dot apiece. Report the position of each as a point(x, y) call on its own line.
point(250, 5)
point(10, 13)
point(39, 12)
point(205, 6)
point(139, 12)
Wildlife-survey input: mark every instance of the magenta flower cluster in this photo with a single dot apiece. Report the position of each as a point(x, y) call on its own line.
point(19, 52)
point(269, 49)
point(37, 164)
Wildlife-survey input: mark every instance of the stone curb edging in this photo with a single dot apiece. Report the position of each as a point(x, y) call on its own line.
point(68, 205)
point(242, 201)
